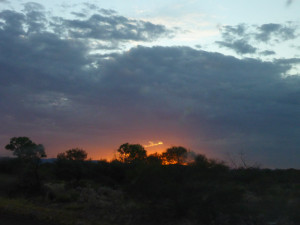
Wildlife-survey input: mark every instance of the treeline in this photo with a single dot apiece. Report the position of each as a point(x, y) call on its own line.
point(26, 150)
point(166, 188)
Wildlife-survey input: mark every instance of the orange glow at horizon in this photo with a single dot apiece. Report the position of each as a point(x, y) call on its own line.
point(107, 149)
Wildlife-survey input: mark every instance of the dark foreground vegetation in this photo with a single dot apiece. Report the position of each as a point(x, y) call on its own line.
point(167, 188)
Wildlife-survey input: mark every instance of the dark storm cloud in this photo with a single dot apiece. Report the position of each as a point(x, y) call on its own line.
point(40, 69)
point(243, 104)
point(243, 38)
point(45, 74)
point(53, 88)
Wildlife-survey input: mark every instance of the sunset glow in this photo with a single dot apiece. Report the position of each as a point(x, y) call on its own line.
point(150, 112)
point(216, 75)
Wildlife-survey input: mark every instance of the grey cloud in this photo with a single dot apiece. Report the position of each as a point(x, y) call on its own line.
point(239, 46)
point(33, 6)
point(266, 30)
point(288, 33)
point(35, 17)
point(228, 32)
point(268, 52)
point(288, 61)
point(104, 27)
point(43, 56)
point(209, 95)
point(82, 15)
point(13, 22)
point(243, 38)
point(42, 72)
point(283, 32)
point(90, 9)
point(289, 2)
point(53, 90)
point(107, 11)
point(236, 38)
point(32, 20)
point(91, 6)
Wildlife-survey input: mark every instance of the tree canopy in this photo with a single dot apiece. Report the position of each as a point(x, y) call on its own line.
point(175, 155)
point(24, 148)
point(131, 152)
point(76, 154)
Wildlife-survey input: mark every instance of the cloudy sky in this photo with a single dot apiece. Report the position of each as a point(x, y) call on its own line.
point(218, 77)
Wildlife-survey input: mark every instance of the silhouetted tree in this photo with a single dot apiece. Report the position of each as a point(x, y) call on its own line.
point(201, 161)
point(175, 155)
point(25, 149)
point(73, 154)
point(131, 152)
point(30, 154)
point(154, 158)
point(71, 164)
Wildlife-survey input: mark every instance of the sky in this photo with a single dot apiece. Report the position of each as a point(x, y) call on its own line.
point(220, 78)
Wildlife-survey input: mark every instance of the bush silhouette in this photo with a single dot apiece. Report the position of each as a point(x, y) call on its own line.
point(76, 154)
point(131, 152)
point(175, 155)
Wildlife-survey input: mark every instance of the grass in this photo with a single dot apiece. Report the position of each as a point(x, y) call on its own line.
point(147, 194)
point(47, 213)
point(43, 210)
point(6, 182)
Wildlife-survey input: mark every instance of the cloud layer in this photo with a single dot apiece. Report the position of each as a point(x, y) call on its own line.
point(56, 89)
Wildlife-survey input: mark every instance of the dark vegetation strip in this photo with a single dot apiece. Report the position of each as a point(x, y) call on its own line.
point(13, 219)
point(140, 189)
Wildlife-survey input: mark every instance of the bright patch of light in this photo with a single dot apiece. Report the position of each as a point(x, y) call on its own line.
point(152, 144)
